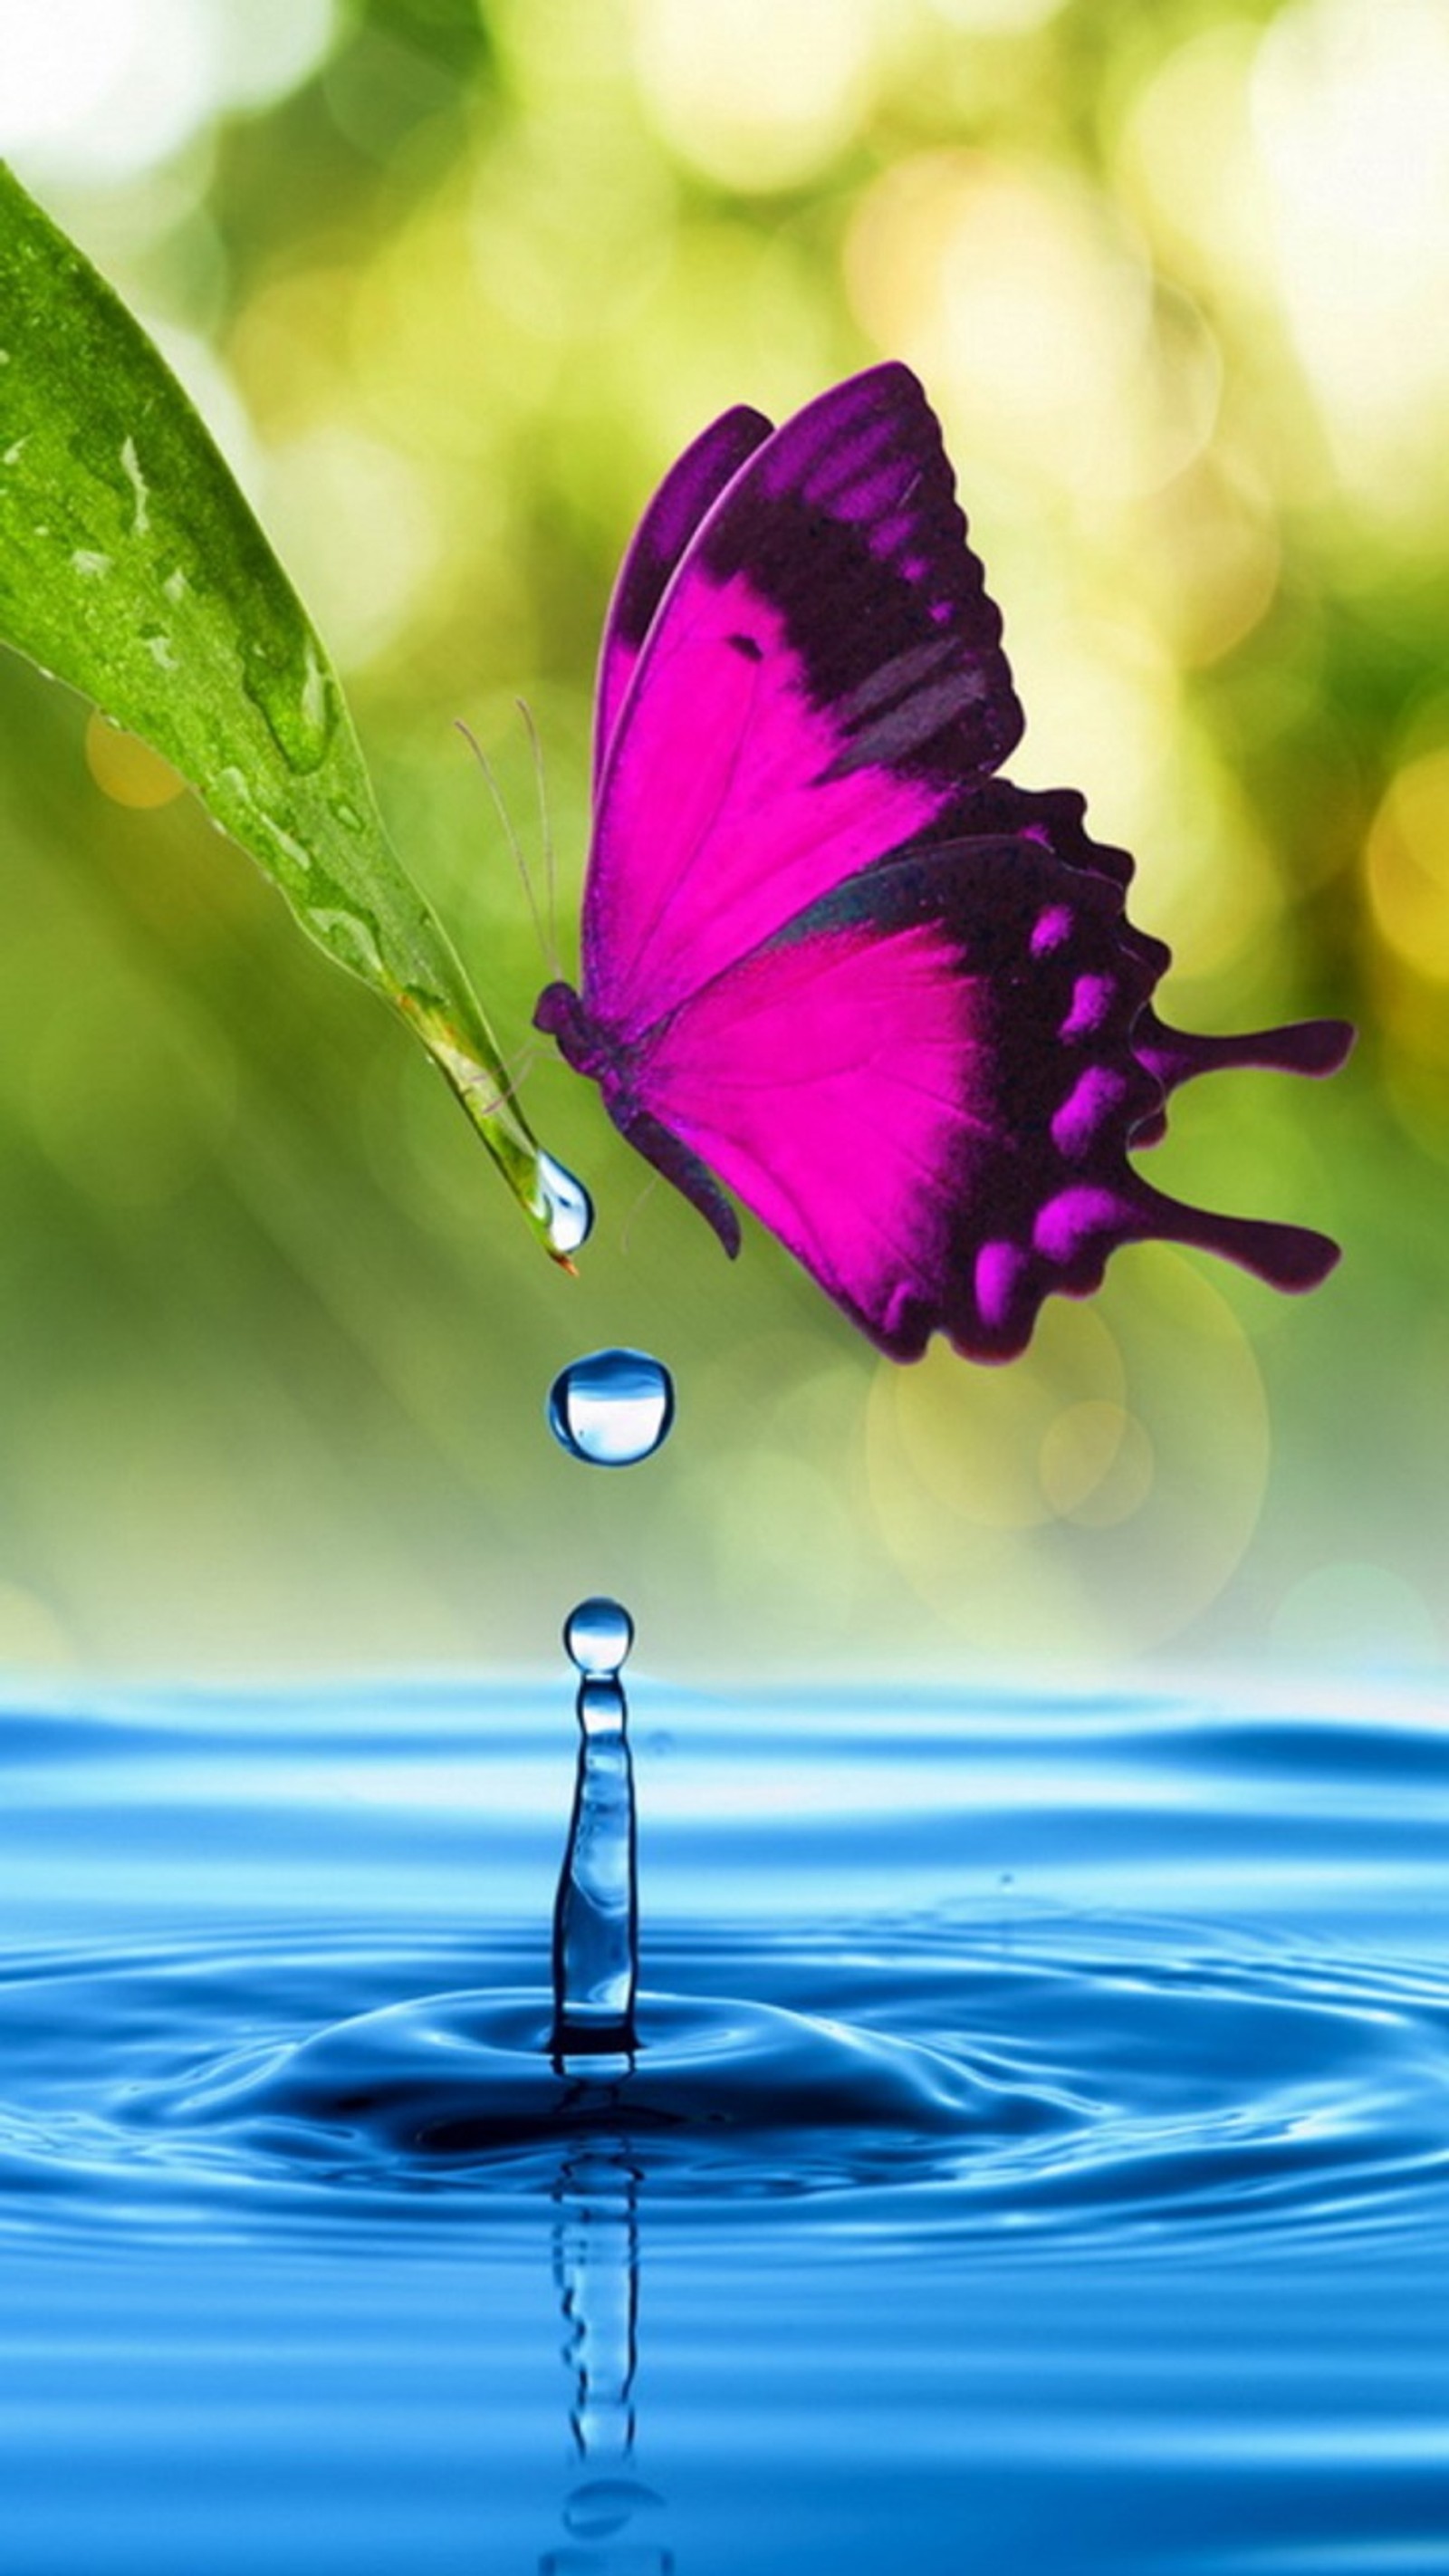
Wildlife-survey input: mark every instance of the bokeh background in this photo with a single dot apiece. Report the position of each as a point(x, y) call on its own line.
point(453, 280)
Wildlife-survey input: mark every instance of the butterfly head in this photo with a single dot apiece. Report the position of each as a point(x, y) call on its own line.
point(559, 1012)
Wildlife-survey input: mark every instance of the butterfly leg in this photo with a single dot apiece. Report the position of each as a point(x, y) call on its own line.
point(685, 1169)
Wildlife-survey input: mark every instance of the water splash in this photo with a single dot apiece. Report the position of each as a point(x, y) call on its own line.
point(1068, 2057)
point(596, 1910)
point(565, 1207)
point(612, 1408)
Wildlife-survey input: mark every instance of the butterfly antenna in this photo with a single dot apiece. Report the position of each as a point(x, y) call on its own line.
point(509, 834)
point(637, 1210)
point(550, 869)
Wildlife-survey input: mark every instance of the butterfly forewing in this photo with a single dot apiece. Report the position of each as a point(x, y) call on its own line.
point(822, 671)
point(689, 489)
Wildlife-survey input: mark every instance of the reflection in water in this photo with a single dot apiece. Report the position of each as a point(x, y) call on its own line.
point(596, 2269)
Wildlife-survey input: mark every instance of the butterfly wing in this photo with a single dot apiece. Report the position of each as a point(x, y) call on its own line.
point(831, 958)
point(821, 672)
point(1054, 819)
point(688, 491)
point(926, 1086)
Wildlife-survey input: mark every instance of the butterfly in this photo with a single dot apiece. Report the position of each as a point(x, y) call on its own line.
point(834, 962)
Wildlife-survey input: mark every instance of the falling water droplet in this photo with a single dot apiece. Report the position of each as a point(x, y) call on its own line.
point(567, 1209)
point(597, 1637)
point(612, 1408)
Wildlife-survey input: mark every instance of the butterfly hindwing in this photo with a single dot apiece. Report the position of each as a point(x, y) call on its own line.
point(879, 1084)
point(925, 1086)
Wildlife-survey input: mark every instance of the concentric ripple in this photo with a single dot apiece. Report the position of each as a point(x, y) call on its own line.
point(844, 2004)
point(979, 2079)
point(1034, 2155)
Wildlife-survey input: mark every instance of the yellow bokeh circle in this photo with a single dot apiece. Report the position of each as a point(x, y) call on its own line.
point(1407, 864)
point(1094, 1496)
point(1096, 1464)
point(128, 771)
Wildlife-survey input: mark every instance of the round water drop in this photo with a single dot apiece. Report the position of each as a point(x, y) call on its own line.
point(567, 1209)
point(597, 1635)
point(612, 1408)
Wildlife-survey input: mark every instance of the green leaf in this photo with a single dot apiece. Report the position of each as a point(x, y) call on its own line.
point(131, 567)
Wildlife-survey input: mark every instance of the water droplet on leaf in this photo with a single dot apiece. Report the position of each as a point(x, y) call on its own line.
point(140, 492)
point(298, 699)
point(349, 937)
point(567, 1209)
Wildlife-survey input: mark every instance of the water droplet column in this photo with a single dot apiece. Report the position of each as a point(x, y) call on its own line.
point(596, 1911)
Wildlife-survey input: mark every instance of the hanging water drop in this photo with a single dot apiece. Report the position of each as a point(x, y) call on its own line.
point(612, 1408)
point(565, 1207)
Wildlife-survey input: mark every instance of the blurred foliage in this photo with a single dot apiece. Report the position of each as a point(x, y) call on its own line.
point(452, 291)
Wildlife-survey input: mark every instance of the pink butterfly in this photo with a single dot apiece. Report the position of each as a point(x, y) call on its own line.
point(833, 960)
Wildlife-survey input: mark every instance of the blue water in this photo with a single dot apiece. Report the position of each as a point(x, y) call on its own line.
point(1036, 2156)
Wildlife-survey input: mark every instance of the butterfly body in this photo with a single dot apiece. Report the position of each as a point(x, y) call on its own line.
point(831, 958)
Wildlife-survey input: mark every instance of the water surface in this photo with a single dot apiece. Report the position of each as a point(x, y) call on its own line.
point(1036, 2151)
